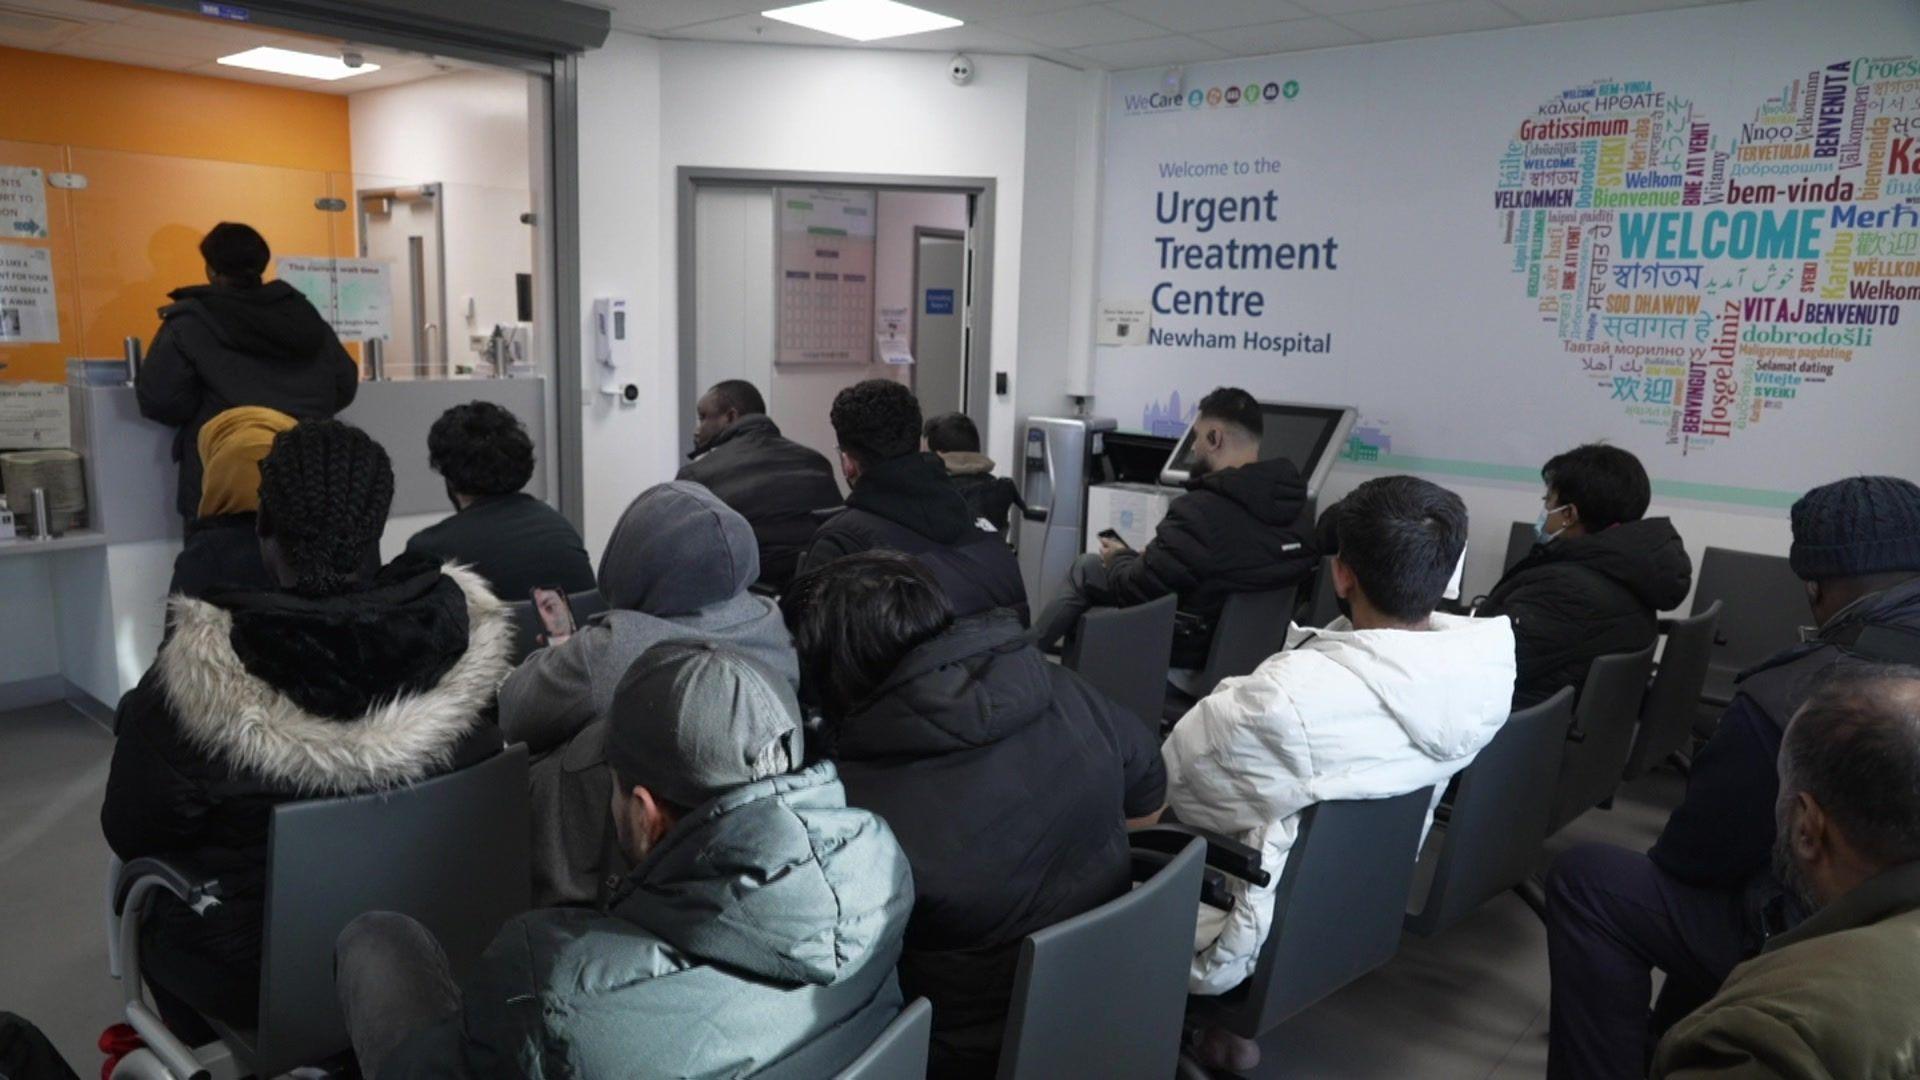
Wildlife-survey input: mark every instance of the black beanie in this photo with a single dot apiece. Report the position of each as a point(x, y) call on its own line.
point(1854, 527)
point(235, 251)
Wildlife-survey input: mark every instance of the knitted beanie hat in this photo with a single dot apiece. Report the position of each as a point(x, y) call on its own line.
point(1857, 526)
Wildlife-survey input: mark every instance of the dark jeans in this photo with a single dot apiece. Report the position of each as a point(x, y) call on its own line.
point(202, 965)
point(1086, 587)
point(1612, 918)
point(393, 980)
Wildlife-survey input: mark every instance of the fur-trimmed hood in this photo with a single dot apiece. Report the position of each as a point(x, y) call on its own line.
point(351, 693)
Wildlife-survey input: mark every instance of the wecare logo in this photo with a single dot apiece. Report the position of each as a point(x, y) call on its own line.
point(1213, 97)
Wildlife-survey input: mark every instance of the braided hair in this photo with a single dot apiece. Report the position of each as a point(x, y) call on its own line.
point(325, 489)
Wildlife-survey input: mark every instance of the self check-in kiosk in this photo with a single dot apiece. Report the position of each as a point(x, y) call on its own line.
point(1060, 457)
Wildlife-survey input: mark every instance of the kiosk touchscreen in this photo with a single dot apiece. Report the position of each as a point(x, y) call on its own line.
point(1310, 436)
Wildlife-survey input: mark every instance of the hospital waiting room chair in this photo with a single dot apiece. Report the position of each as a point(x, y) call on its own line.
point(1123, 653)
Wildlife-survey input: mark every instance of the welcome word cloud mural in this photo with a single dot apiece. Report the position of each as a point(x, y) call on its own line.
point(1693, 234)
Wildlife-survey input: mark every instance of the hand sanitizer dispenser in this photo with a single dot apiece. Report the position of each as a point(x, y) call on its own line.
point(612, 351)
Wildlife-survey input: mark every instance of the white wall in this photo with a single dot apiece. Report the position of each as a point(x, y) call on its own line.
point(648, 107)
point(467, 130)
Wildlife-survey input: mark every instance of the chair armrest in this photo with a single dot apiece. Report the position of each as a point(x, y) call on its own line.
point(1223, 854)
point(193, 884)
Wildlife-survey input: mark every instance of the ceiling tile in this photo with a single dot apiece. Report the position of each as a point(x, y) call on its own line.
point(117, 55)
point(41, 32)
point(188, 47)
point(1545, 11)
point(758, 30)
point(1290, 36)
point(73, 9)
point(1186, 16)
point(994, 9)
point(968, 38)
point(650, 16)
point(1153, 52)
point(1078, 27)
point(1342, 7)
point(1429, 20)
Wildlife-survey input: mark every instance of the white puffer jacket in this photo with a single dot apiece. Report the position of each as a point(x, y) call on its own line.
point(1341, 714)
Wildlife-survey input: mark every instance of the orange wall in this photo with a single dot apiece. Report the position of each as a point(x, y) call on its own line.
point(166, 155)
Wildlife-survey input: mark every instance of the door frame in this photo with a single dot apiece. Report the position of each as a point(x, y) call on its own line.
point(966, 289)
point(977, 392)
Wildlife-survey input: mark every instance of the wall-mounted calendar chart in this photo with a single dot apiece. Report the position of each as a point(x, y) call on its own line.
point(826, 275)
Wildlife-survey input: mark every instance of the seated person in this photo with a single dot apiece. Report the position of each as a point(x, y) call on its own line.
point(511, 539)
point(1394, 699)
point(1008, 779)
point(1834, 996)
point(1598, 577)
point(677, 567)
point(758, 932)
point(902, 501)
point(1237, 529)
point(989, 497)
point(1704, 898)
point(348, 677)
point(779, 486)
point(221, 549)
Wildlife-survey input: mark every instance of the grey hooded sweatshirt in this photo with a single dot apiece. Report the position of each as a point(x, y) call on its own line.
point(677, 567)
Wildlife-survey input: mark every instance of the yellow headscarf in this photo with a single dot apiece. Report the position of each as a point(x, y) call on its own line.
point(231, 446)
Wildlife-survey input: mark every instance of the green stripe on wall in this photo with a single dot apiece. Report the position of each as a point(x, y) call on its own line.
point(1481, 470)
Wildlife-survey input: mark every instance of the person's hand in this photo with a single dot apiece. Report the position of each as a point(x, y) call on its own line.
point(1110, 549)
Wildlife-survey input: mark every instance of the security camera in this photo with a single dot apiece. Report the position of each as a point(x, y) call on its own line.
point(960, 70)
point(351, 57)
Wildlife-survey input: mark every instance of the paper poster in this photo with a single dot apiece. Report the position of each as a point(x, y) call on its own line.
point(1124, 322)
point(826, 276)
point(354, 295)
point(23, 203)
point(34, 416)
point(27, 311)
point(893, 335)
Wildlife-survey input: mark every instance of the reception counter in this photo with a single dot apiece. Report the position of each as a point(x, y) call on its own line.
point(85, 610)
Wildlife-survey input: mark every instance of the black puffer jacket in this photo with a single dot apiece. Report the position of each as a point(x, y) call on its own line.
point(988, 496)
point(1575, 600)
point(908, 505)
point(262, 698)
point(1008, 781)
point(220, 552)
point(220, 347)
point(779, 486)
point(1237, 530)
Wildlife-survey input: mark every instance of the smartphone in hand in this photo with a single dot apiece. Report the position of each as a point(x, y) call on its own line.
point(556, 612)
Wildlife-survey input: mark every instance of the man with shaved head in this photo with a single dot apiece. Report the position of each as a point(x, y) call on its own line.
point(1836, 995)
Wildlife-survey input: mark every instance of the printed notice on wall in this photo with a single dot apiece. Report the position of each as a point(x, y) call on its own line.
point(826, 276)
point(23, 203)
point(27, 311)
point(355, 296)
point(1124, 322)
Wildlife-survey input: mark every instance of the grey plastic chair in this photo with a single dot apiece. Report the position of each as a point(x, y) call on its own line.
point(1764, 607)
point(1337, 911)
point(1595, 755)
point(1103, 993)
point(1499, 816)
point(1326, 606)
point(900, 1053)
point(451, 852)
point(1251, 627)
point(1123, 653)
point(526, 621)
point(1520, 540)
point(1667, 716)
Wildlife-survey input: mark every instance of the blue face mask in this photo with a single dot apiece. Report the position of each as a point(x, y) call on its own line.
point(1540, 524)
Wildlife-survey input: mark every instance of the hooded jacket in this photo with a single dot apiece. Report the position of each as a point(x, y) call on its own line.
point(1237, 530)
point(779, 486)
point(220, 553)
point(677, 567)
point(1008, 781)
point(1575, 600)
point(1341, 714)
point(515, 541)
point(989, 497)
point(908, 505)
point(758, 938)
point(1831, 998)
point(219, 347)
point(262, 698)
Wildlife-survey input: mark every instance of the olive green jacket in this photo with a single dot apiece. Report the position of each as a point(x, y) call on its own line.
point(1838, 996)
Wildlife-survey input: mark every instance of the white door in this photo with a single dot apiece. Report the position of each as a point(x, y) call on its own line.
point(939, 312)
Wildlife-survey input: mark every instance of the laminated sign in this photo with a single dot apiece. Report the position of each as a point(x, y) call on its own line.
point(23, 203)
point(27, 311)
